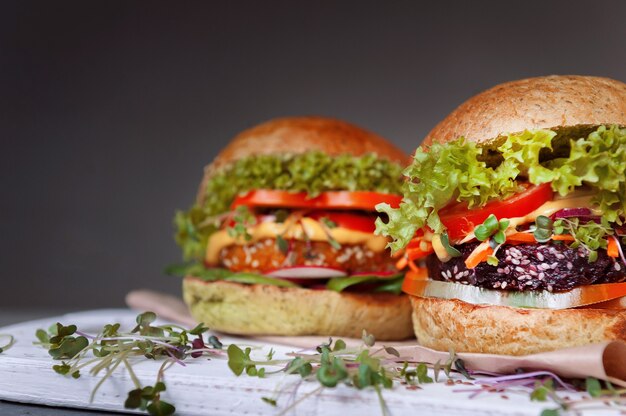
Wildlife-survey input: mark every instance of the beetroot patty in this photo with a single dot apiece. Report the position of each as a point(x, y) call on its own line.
point(265, 255)
point(552, 267)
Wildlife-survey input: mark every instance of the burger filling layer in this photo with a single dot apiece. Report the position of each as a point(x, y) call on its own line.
point(537, 211)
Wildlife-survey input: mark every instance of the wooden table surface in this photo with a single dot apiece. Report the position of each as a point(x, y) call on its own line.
point(13, 316)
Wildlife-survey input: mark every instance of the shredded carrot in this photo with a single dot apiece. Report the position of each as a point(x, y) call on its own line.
point(563, 237)
point(413, 267)
point(401, 264)
point(479, 255)
point(420, 273)
point(521, 237)
point(417, 252)
point(612, 250)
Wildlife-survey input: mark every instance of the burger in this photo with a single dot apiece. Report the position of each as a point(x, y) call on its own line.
point(513, 219)
point(280, 239)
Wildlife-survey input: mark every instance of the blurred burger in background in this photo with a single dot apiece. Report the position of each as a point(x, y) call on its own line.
point(514, 209)
point(280, 239)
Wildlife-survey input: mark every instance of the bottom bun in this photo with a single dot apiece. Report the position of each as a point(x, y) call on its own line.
point(443, 324)
point(270, 310)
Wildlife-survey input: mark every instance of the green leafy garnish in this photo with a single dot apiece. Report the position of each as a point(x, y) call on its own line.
point(593, 387)
point(111, 349)
point(242, 219)
point(463, 171)
point(214, 274)
point(445, 242)
point(8, 344)
point(391, 284)
point(543, 229)
point(590, 235)
point(311, 172)
point(492, 227)
point(335, 363)
point(542, 390)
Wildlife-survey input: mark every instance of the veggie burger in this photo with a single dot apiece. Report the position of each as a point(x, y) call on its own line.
point(281, 237)
point(513, 219)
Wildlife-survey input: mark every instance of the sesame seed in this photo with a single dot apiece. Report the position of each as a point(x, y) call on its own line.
point(530, 282)
point(508, 259)
point(540, 256)
point(549, 288)
point(500, 270)
point(554, 265)
point(560, 256)
point(617, 266)
point(515, 261)
point(519, 269)
point(542, 276)
point(443, 274)
point(255, 264)
point(497, 285)
point(458, 276)
point(522, 277)
point(532, 272)
point(507, 270)
point(503, 285)
point(570, 266)
point(449, 274)
point(456, 268)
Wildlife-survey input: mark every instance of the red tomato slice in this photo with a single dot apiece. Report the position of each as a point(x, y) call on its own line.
point(351, 221)
point(361, 200)
point(460, 221)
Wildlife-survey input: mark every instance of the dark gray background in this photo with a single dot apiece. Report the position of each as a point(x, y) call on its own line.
point(109, 110)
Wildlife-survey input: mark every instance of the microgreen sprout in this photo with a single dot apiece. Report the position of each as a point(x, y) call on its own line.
point(494, 231)
point(492, 227)
point(590, 235)
point(8, 344)
point(242, 219)
point(445, 241)
point(333, 363)
point(111, 349)
point(543, 229)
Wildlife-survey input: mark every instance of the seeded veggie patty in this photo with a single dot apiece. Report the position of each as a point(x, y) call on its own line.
point(552, 267)
point(265, 255)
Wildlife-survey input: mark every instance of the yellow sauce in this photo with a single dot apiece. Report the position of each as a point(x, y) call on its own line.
point(575, 201)
point(290, 230)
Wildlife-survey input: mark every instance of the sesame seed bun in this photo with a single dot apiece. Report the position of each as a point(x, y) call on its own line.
point(569, 105)
point(443, 324)
point(551, 102)
point(270, 310)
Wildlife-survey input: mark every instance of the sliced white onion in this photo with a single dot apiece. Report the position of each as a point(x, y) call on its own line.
point(307, 272)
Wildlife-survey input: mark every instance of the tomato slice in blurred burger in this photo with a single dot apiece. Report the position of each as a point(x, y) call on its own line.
point(352, 221)
point(460, 221)
point(353, 200)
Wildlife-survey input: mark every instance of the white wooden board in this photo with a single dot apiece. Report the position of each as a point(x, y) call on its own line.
point(207, 387)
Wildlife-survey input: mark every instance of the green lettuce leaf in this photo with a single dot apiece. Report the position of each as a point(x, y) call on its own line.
point(214, 274)
point(391, 284)
point(312, 172)
point(457, 171)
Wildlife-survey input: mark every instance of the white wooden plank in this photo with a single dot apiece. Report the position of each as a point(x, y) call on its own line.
point(208, 387)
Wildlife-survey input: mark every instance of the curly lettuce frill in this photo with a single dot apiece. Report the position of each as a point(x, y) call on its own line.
point(457, 171)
